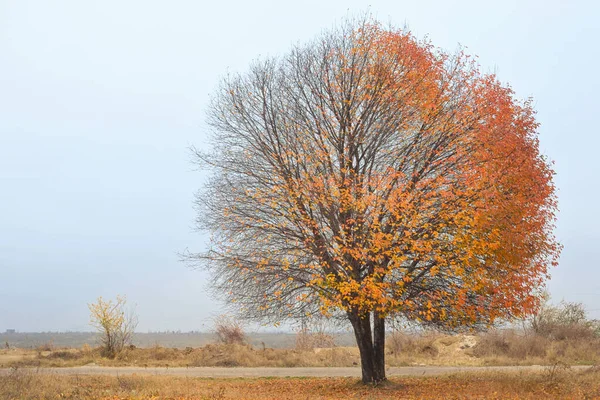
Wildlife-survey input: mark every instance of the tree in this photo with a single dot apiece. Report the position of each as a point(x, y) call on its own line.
point(370, 175)
point(115, 325)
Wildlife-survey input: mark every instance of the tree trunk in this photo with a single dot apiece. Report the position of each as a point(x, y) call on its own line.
point(372, 352)
point(379, 346)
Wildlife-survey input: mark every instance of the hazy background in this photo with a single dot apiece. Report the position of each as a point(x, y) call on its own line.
point(99, 101)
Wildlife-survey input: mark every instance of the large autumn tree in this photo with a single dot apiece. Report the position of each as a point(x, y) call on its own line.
point(370, 175)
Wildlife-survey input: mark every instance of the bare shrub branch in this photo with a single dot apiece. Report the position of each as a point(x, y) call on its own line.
point(115, 324)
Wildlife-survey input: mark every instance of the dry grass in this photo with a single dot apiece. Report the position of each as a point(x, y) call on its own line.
point(212, 355)
point(516, 348)
point(552, 384)
point(315, 350)
point(431, 348)
point(403, 345)
point(306, 340)
point(560, 334)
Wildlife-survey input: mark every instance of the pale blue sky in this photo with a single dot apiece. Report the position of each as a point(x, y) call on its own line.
point(99, 101)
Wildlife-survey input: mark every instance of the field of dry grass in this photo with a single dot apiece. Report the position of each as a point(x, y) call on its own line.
point(555, 382)
point(558, 347)
point(213, 355)
point(493, 348)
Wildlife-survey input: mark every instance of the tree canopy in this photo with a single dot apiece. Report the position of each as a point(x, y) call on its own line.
point(369, 174)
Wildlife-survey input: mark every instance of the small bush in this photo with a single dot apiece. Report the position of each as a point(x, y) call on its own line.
point(48, 346)
point(567, 321)
point(229, 331)
point(114, 323)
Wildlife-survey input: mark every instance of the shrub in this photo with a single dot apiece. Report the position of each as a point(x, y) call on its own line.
point(229, 331)
point(115, 325)
point(567, 321)
point(48, 346)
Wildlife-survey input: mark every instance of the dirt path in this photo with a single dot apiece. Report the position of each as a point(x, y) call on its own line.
point(222, 372)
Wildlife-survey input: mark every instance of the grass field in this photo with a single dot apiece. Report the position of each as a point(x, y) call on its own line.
point(553, 383)
point(558, 380)
point(493, 348)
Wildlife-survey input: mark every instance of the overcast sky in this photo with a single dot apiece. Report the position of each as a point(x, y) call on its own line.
point(100, 100)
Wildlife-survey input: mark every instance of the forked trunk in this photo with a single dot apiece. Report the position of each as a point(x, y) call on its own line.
point(371, 344)
point(379, 346)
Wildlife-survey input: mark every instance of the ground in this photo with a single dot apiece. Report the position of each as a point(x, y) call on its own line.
point(494, 348)
point(309, 370)
point(551, 383)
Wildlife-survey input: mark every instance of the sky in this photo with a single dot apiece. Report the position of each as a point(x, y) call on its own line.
point(101, 100)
